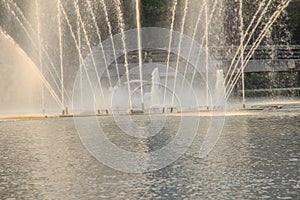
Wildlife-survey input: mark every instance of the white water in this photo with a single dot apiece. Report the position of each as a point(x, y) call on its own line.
point(123, 37)
point(241, 30)
point(219, 89)
point(138, 24)
point(169, 49)
point(80, 65)
point(179, 50)
point(90, 48)
point(61, 54)
point(231, 82)
point(204, 35)
point(98, 34)
point(112, 40)
point(29, 34)
point(206, 56)
point(37, 8)
point(156, 91)
point(36, 70)
point(191, 46)
point(82, 60)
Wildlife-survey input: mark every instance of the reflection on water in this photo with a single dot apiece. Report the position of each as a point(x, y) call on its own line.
point(256, 157)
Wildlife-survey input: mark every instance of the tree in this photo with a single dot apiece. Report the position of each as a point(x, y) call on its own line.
point(294, 20)
point(155, 13)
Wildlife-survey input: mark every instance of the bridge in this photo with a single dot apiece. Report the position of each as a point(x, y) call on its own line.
point(265, 58)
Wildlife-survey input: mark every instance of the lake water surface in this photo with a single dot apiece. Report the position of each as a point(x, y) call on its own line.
point(257, 156)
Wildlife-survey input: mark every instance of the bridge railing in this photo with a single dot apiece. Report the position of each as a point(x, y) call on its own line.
point(265, 58)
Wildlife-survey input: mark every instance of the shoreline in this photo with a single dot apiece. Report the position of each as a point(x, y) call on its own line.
point(250, 110)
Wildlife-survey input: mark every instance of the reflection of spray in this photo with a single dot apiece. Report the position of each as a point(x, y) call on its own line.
point(156, 94)
point(219, 88)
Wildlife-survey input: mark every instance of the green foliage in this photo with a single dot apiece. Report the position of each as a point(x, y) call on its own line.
point(294, 19)
point(155, 13)
point(128, 8)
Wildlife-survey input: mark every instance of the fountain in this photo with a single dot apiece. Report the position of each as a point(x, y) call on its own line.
point(22, 83)
point(156, 92)
point(81, 43)
point(148, 100)
point(219, 94)
point(200, 67)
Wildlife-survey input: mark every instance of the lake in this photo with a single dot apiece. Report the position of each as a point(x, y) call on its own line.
point(257, 156)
